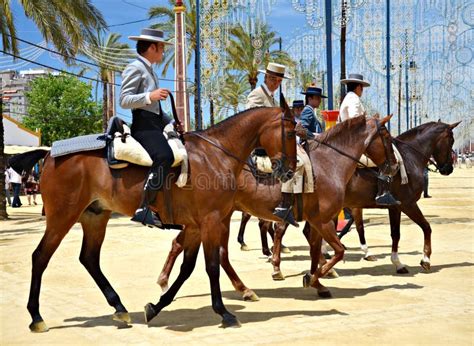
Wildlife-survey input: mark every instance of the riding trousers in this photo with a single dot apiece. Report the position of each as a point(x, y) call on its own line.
point(147, 129)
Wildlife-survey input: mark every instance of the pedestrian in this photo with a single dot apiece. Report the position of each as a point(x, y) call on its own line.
point(7, 186)
point(15, 181)
point(31, 187)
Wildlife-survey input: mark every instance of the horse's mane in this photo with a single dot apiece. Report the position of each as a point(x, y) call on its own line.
point(231, 120)
point(421, 128)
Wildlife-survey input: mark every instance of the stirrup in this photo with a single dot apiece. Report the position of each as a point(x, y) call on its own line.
point(286, 214)
point(386, 199)
point(147, 217)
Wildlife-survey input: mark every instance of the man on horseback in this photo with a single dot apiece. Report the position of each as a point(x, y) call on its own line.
point(263, 96)
point(352, 107)
point(140, 93)
point(313, 96)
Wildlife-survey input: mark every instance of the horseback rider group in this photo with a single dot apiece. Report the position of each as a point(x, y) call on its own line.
point(141, 93)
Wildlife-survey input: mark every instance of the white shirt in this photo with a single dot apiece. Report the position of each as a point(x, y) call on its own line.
point(15, 178)
point(351, 107)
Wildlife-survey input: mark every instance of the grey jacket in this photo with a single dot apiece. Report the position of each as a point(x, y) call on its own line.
point(137, 80)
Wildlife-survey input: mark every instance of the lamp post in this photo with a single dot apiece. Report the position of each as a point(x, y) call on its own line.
point(387, 20)
point(328, 11)
point(197, 108)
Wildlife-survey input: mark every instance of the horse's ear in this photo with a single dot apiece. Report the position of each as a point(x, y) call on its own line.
point(386, 119)
point(284, 106)
point(452, 126)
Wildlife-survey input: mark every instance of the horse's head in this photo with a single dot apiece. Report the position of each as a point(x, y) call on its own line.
point(442, 150)
point(278, 138)
point(380, 149)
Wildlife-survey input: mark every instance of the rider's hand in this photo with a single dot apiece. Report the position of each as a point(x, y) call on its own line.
point(179, 128)
point(159, 94)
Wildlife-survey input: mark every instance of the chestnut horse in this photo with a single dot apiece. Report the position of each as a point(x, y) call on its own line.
point(332, 172)
point(416, 147)
point(81, 188)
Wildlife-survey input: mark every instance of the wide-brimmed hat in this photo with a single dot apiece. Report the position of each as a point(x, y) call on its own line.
point(150, 35)
point(314, 91)
point(355, 78)
point(274, 69)
point(298, 103)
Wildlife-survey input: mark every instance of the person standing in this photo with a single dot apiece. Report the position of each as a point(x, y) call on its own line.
point(352, 107)
point(15, 181)
point(141, 93)
point(7, 186)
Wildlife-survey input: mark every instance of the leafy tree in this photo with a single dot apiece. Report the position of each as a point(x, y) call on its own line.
point(233, 94)
point(62, 107)
point(240, 52)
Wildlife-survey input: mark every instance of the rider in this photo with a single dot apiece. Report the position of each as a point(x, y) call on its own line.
point(263, 96)
point(297, 108)
point(352, 107)
point(309, 121)
point(141, 93)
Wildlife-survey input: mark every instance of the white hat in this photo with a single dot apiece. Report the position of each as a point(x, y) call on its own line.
point(150, 35)
point(355, 78)
point(274, 69)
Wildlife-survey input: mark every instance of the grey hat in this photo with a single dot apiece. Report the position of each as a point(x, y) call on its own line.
point(150, 35)
point(355, 78)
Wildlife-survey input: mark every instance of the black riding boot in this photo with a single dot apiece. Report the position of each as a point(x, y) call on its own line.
point(285, 209)
point(144, 214)
point(384, 196)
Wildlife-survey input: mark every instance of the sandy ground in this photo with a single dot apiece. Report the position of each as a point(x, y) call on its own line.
point(371, 304)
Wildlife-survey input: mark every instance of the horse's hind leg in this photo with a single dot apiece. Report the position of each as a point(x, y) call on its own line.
point(279, 231)
point(176, 249)
point(57, 226)
point(395, 215)
point(240, 238)
point(191, 243)
point(357, 214)
point(94, 226)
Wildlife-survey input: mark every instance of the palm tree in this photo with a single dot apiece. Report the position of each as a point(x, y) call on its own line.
point(111, 56)
point(67, 24)
point(241, 56)
point(232, 95)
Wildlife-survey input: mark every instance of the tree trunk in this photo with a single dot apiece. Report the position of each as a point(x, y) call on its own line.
point(253, 82)
point(212, 112)
point(104, 105)
point(343, 48)
point(3, 203)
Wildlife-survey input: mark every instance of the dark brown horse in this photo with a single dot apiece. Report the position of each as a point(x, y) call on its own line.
point(332, 172)
point(434, 139)
point(82, 188)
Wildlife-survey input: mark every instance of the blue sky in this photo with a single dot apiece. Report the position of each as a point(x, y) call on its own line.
point(121, 11)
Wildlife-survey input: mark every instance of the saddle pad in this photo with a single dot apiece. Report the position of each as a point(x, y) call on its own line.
point(77, 144)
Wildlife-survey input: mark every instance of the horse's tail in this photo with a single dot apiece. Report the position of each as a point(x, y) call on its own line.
point(25, 162)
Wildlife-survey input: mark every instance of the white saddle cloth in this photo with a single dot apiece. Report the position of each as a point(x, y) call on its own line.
point(302, 181)
point(132, 151)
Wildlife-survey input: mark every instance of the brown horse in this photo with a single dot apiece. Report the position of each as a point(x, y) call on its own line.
point(332, 172)
point(416, 147)
point(82, 188)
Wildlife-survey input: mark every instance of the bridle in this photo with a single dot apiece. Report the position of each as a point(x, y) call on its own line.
point(385, 165)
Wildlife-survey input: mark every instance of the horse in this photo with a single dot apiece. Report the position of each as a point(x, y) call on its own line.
point(416, 147)
point(332, 172)
point(82, 188)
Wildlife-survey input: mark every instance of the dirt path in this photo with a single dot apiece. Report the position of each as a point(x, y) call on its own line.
point(370, 305)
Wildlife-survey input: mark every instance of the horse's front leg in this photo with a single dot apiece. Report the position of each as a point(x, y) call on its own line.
point(279, 231)
point(240, 238)
point(395, 215)
point(415, 214)
point(357, 214)
point(176, 249)
point(265, 227)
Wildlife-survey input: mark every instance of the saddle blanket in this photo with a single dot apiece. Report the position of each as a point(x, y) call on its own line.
point(78, 144)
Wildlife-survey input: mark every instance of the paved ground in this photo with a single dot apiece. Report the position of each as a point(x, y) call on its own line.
point(370, 305)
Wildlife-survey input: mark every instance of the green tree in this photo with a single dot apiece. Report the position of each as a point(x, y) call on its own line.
point(62, 107)
point(241, 52)
point(67, 24)
point(232, 95)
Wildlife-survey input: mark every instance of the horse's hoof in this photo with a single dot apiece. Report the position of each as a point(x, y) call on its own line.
point(306, 280)
point(267, 253)
point(426, 265)
point(38, 327)
point(123, 317)
point(402, 270)
point(370, 258)
point(325, 293)
point(244, 247)
point(230, 322)
point(278, 276)
point(285, 249)
point(150, 312)
point(332, 274)
point(250, 296)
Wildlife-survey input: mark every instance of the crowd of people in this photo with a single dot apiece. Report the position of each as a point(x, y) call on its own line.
point(15, 183)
